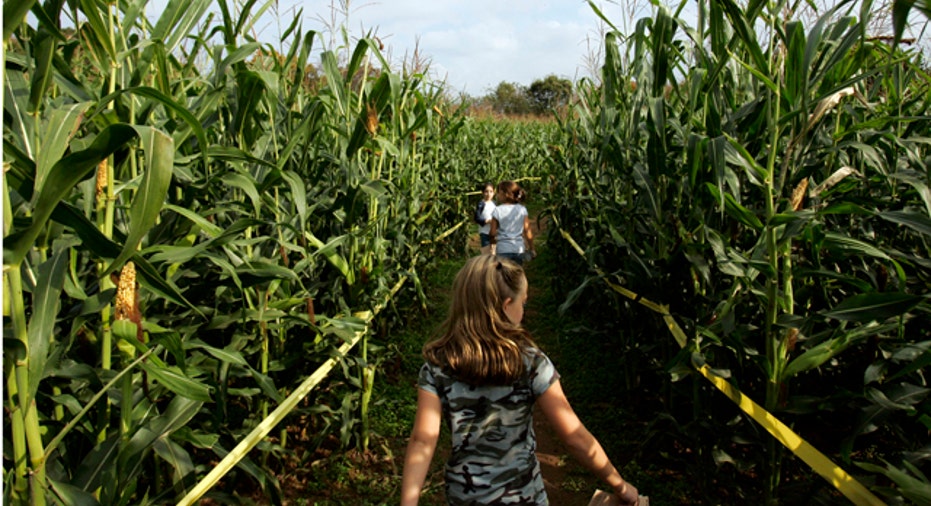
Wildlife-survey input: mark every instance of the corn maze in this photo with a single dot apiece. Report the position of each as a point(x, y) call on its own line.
point(199, 227)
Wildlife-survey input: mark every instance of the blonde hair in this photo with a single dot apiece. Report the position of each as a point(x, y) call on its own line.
point(478, 343)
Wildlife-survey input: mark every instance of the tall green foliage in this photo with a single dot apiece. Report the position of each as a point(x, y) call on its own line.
point(774, 192)
point(259, 204)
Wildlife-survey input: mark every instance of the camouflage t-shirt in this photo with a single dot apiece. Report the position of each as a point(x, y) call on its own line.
point(493, 458)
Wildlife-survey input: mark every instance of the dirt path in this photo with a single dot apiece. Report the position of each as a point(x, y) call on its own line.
point(567, 483)
point(325, 475)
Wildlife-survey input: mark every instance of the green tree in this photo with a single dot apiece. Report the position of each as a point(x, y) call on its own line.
point(509, 98)
point(549, 93)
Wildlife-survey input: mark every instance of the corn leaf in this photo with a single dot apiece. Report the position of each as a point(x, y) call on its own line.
point(175, 455)
point(735, 210)
point(252, 91)
point(13, 15)
point(255, 272)
point(176, 381)
point(328, 250)
point(62, 179)
point(172, 378)
point(266, 384)
point(914, 489)
point(824, 351)
point(850, 245)
point(41, 327)
point(900, 397)
point(150, 196)
point(177, 21)
point(65, 492)
point(796, 65)
point(179, 412)
point(919, 222)
point(298, 194)
point(174, 107)
point(56, 132)
point(247, 185)
point(867, 307)
point(205, 225)
point(102, 246)
point(225, 354)
point(43, 51)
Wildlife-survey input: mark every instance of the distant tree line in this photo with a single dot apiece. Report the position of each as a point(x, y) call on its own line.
point(542, 97)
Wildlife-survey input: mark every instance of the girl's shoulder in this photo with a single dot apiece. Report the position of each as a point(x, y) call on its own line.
point(533, 355)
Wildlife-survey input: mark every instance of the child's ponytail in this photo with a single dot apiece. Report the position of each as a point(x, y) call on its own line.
point(514, 193)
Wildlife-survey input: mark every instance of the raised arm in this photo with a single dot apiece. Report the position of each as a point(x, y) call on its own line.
point(582, 445)
point(421, 446)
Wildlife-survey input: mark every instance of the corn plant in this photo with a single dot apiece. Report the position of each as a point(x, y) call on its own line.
point(245, 204)
point(773, 191)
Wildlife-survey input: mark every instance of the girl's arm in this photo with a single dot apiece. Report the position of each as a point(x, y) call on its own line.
point(490, 213)
point(493, 231)
point(421, 446)
point(528, 234)
point(582, 445)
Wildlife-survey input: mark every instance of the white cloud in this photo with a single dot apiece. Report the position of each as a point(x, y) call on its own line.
point(476, 44)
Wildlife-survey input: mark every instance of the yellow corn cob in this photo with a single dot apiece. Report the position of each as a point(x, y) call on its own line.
point(101, 178)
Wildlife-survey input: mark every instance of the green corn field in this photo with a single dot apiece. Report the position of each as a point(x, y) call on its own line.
point(207, 235)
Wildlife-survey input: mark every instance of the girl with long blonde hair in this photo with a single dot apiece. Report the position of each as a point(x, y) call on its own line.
point(483, 375)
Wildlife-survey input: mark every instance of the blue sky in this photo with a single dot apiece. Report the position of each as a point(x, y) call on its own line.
point(473, 44)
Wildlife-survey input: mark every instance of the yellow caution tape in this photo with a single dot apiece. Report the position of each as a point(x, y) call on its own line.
point(834, 474)
point(288, 404)
point(445, 234)
point(843, 482)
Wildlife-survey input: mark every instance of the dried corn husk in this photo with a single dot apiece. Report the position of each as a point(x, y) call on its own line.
point(371, 119)
point(798, 194)
point(828, 103)
point(833, 179)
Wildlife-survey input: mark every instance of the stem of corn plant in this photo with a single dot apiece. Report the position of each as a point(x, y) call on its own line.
point(126, 401)
point(24, 409)
point(263, 366)
point(263, 331)
point(104, 223)
point(283, 433)
point(26, 429)
point(368, 378)
point(775, 358)
point(18, 428)
point(105, 213)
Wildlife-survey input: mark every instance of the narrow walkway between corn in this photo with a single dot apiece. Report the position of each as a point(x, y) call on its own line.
point(567, 482)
